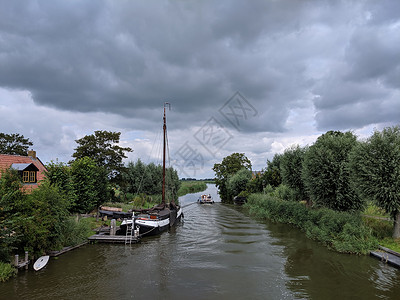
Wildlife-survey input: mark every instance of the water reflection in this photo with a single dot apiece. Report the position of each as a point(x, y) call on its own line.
point(315, 272)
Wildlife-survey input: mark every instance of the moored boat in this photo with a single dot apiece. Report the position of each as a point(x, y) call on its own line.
point(205, 199)
point(159, 218)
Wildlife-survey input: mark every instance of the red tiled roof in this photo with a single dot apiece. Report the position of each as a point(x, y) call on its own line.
point(6, 160)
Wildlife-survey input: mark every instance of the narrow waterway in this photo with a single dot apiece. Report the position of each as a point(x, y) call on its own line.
point(216, 253)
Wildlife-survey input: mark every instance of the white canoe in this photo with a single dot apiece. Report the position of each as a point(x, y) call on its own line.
point(41, 262)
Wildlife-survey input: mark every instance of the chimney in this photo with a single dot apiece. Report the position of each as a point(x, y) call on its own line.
point(32, 154)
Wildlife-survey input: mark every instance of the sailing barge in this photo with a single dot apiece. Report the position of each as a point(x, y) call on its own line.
point(160, 217)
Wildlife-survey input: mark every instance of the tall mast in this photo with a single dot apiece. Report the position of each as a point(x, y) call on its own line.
point(164, 151)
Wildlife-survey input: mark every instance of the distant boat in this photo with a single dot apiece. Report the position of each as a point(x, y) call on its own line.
point(41, 262)
point(205, 199)
point(160, 217)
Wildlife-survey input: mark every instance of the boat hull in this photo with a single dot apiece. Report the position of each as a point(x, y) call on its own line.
point(149, 227)
point(206, 202)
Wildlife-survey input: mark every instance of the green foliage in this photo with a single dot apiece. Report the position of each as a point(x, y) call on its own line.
point(59, 174)
point(140, 178)
point(90, 185)
point(14, 144)
point(284, 192)
point(381, 229)
point(375, 211)
point(188, 187)
point(13, 208)
point(228, 167)
point(238, 182)
point(341, 231)
point(103, 149)
point(75, 231)
point(256, 184)
point(272, 174)
point(375, 169)
point(291, 166)
point(30, 222)
point(244, 194)
point(48, 212)
point(326, 172)
point(6, 271)
point(391, 244)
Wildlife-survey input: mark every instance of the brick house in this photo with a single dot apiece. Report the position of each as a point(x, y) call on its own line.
point(31, 169)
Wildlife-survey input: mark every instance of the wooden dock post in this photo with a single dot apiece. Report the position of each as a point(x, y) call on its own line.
point(26, 260)
point(16, 260)
point(113, 227)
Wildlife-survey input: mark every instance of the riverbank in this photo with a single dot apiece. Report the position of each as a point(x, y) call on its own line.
point(189, 187)
point(340, 231)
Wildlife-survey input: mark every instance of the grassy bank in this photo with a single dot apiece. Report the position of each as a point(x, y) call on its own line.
point(6, 271)
point(188, 187)
point(340, 231)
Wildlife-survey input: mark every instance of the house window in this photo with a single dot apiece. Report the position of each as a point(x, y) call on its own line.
point(29, 176)
point(32, 176)
point(25, 177)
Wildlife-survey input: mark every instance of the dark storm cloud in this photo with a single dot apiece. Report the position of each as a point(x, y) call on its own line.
point(363, 87)
point(128, 57)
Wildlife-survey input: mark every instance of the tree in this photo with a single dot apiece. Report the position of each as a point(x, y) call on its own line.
point(291, 163)
point(103, 149)
point(141, 178)
point(239, 182)
point(14, 144)
point(326, 172)
point(90, 185)
point(256, 184)
point(228, 167)
point(48, 212)
point(375, 171)
point(272, 174)
point(12, 201)
point(59, 174)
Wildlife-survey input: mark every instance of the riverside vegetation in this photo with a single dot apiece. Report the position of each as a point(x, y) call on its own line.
point(49, 218)
point(340, 191)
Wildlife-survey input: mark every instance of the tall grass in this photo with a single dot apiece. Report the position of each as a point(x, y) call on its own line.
point(341, 231)
point(75, 231)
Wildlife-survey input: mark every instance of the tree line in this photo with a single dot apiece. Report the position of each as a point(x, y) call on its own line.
point(338, 172)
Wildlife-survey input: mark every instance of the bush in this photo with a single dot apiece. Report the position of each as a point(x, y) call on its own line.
point(75, 231)
point(6, 271)
point(341, 231)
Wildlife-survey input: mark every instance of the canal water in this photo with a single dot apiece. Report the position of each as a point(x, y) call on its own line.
point(218, 252)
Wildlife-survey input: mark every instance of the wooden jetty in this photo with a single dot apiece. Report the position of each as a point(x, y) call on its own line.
point(112, 237)
point(103, 238)
point(65, 249)
point(21, 264)
point(388, 256)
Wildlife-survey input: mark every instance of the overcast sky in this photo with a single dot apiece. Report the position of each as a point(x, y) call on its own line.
point(242, 76)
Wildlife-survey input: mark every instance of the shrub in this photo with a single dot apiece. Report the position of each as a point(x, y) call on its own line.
point(6, 271)
point(75, 231)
